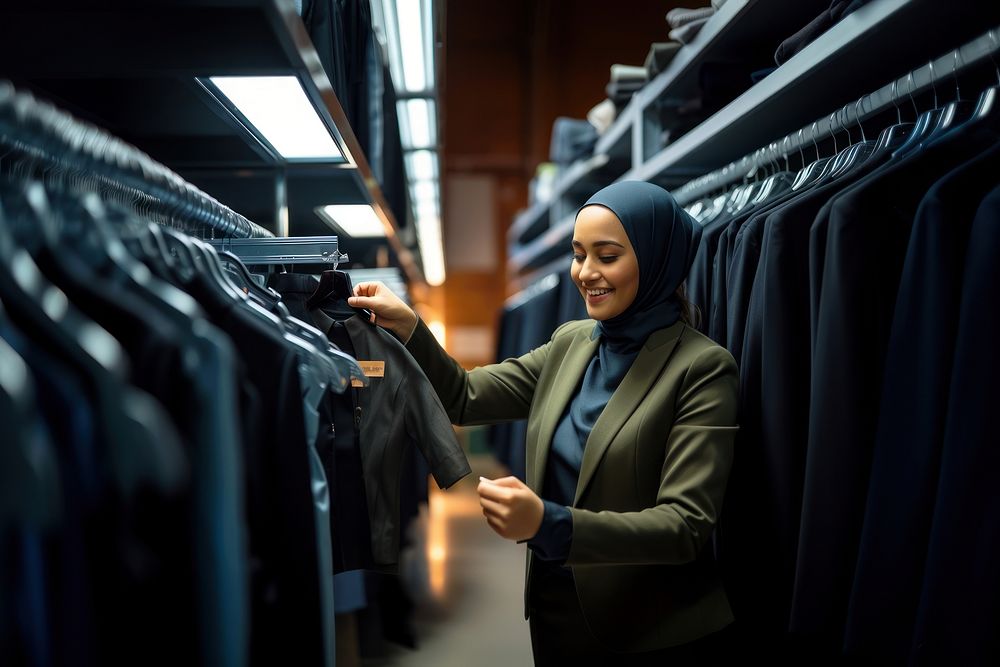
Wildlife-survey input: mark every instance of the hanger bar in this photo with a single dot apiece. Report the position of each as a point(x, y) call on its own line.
point(849, 115)
point(53, 139)
point(284, 250)
point(528, 293)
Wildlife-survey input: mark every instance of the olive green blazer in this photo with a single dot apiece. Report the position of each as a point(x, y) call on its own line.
point(653, 475)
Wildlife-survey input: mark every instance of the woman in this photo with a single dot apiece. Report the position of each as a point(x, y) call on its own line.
point(629, 443)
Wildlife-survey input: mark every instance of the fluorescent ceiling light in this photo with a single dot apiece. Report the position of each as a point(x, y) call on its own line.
point(427, 209)
point(422, 165)
point(354, 220)
point(422, 191)
point(417, 123)
point(411, 44)
point(431, 249)
point(278, 108)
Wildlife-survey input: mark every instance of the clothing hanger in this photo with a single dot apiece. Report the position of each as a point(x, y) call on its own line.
point(858, 152)
point(924, 125)
point(775, 184)
point(335, 285)
point(30, 489)
point(895, 135)
point(808, 175)
point(986, 112)
point(131, 436)
point(952, 114)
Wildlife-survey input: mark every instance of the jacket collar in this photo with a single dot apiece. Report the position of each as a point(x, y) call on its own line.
point(635, 385)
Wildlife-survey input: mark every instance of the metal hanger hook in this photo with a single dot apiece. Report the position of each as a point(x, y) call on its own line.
point(844, 124)
point(802, 156)
point(930, 66)
point(993, 38)
point(954, 74)
point(912, 85)
point(858, 109)
point(895, 102)
point(833, 133)
point(815, 145)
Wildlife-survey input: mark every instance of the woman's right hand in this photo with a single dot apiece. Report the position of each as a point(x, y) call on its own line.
point(390, 311)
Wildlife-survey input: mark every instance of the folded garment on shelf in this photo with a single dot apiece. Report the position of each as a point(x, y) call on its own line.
point(602, 115)
point(831, 16)
point(682, 16)
point(687, 32)
point(628, 73)
point(660, 55)
point(572, 139)
point(621, 92)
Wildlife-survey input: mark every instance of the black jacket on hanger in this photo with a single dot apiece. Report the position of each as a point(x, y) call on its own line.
point(907, 453)
point(391, 413)
point(866, 242)
point(959, 612)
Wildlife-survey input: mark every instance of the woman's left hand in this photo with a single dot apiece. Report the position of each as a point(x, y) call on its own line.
point(512, 509)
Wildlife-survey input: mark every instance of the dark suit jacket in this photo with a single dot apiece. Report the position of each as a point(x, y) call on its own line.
point(958, 613)
point(653, 475)
point(397, 410)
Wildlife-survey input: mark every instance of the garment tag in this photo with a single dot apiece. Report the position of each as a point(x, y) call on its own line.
point(371, 369)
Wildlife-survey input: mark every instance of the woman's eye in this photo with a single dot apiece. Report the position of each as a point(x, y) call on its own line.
point(607, 259)
point(577, 257)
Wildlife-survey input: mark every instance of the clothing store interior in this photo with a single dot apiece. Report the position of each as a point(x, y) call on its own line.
point(209, 455)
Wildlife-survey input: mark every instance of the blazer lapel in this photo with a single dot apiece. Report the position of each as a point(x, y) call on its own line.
point(636, 384)
point(571, 369)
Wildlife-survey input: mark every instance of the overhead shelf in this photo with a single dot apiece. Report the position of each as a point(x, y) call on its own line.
point(135, 73)
point(845, 62)
point(842, 64)
point(733, 34)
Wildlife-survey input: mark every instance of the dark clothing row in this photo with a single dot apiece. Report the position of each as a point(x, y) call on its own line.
point(171, 441)
point(849, 299)
point(343, 35)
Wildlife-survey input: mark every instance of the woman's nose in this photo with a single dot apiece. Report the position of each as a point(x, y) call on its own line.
point(589, 272)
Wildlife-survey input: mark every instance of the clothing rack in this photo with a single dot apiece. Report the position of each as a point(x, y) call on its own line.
point(853, 114)
point(284, 250)
point(551, 281)
point(90, 157)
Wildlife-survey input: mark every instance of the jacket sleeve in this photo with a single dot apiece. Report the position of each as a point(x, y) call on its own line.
point(485, 395)
point(697, 461)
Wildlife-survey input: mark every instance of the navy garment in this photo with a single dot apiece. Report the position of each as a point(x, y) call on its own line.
point(912, 419)
point(699, 283)
point(866, 244)
point(959, 609)
point(571, 303)
point(536, 322)
point(764, 499)
point(285, 589)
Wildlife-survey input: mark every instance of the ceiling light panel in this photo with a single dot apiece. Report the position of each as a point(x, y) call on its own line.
point(280, 111)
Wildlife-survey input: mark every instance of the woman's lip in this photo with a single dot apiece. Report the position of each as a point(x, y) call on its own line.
point(595, 299)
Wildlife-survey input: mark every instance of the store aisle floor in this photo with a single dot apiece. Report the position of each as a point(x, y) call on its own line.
point(475, 614)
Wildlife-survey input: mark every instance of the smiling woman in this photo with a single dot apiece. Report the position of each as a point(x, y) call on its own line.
point(630, 431)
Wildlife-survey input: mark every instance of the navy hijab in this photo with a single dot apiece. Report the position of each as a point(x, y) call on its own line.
point(664, 238)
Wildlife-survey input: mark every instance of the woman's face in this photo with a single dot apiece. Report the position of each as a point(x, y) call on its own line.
point(605, 267)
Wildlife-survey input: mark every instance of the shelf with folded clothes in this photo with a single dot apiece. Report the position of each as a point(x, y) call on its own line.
point(145, 74)
point(530, 222)
point(839, 65)
point(734, 31)
point(572, 187)
point(543, 249)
